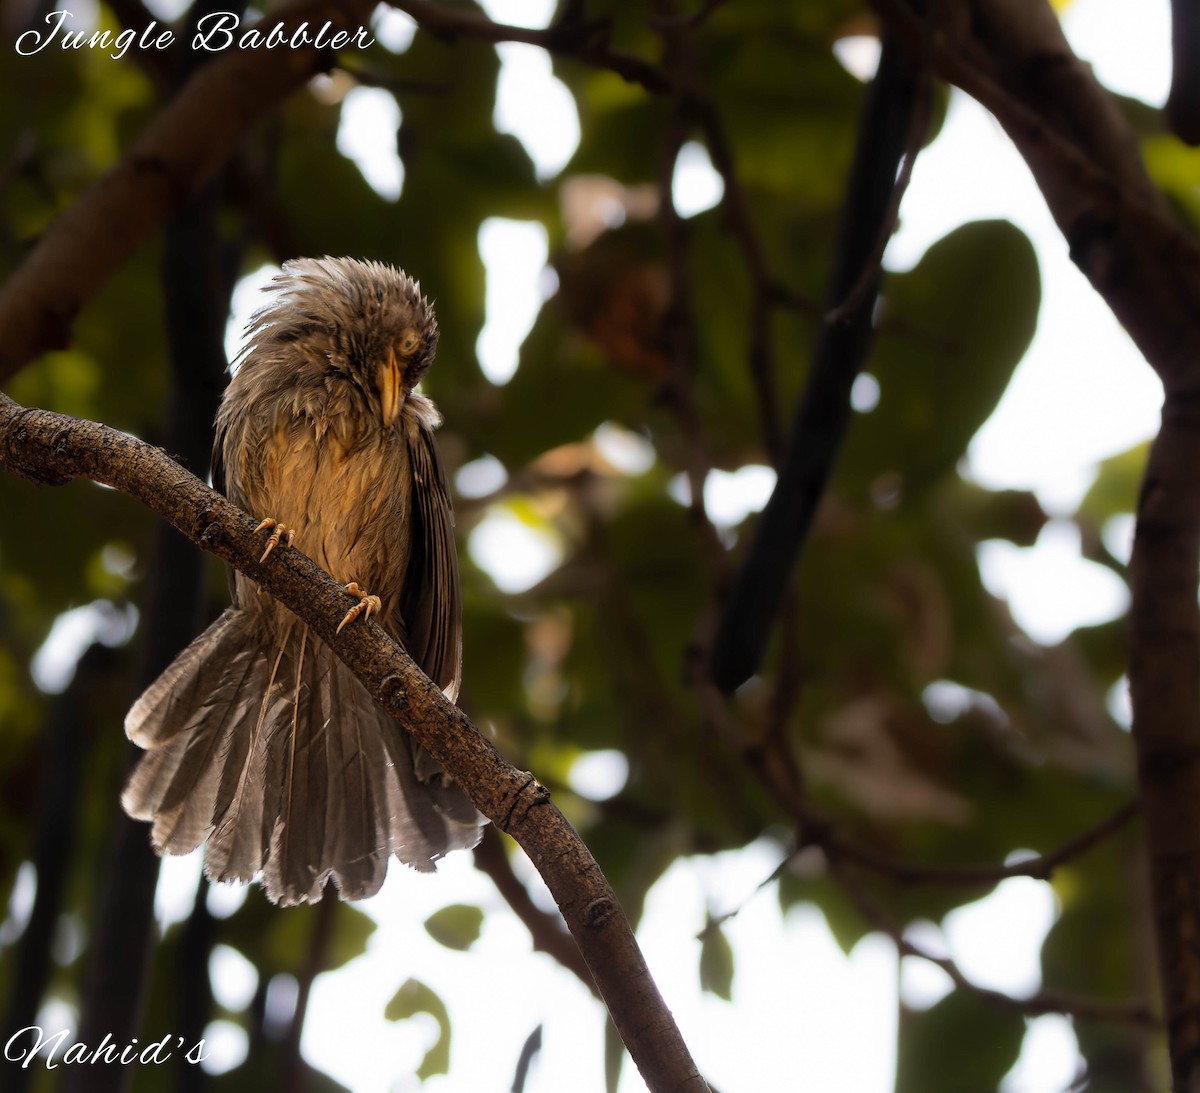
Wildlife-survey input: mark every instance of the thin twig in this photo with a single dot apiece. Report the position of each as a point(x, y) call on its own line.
point(735, 204)
point(684, 354)
point(586, 44)
point(1039, 1003)
point(778, 773)
point(968, 876)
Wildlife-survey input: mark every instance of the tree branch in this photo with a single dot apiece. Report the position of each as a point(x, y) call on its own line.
point(67, 749)
point(1042, 867)
point(53, 449)
point(823, 416)
point(1164, 650)
point(1183, 103)
point(293, 1071)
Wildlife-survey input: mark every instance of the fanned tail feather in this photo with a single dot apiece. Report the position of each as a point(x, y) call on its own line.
point(189, 720)
point(284, 762)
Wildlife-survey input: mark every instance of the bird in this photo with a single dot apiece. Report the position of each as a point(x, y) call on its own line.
point(258, 739)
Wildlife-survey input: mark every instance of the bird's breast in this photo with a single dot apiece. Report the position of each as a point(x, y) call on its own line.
point(347, 499)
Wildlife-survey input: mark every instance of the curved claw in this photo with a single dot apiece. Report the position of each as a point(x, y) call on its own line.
point(279, 533)
point(366, 604)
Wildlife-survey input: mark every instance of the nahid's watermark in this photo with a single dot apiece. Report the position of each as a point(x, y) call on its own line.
point(32, 1045)
point(214, 33)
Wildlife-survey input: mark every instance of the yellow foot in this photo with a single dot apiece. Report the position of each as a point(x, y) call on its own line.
point(279, 533)
point(366, 604)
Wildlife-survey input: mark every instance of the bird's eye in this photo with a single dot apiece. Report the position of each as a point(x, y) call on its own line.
point(409, 341)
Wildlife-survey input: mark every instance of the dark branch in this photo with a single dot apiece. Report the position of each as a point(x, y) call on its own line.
point(969, 876)
point(824, 413)
point(293, 1071)
point(67, 749)
point(777, 771)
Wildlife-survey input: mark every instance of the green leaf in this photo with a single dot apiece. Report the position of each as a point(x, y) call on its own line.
point(1015, 515)
point(415, 997)
point(281, 942)
point(1173, 167)
point(1115, 490)
point(953, 330)
point(457, 926)
point(960, 1044)
point(716, 963)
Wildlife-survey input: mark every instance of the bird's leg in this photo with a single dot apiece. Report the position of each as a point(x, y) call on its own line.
point(366, 604)
point(279, 533)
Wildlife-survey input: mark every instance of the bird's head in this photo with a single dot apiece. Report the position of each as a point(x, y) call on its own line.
point(363, 322)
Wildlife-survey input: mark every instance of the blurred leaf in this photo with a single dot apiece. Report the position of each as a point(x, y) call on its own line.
point(281, 942)
point(1115, 490)
point(1015, 515)
point(1176, 169)
point(716, 963)
point(415, 997)
point(959, 1044)
point(954, 328)
point(457, 926)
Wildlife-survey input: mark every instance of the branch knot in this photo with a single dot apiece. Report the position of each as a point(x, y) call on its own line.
point(599, 912)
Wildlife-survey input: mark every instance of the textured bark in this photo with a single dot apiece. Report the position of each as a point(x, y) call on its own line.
point(52, 449)
point(1011, 56)
point(1164, 674)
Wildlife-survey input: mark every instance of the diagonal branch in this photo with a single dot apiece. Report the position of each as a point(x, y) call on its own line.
point(173, 159)
point(823, 416)
point(902, 871)
point(195, 134)
point(53, 449)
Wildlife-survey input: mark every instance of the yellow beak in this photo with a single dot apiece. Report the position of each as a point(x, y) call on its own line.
point(391, 393)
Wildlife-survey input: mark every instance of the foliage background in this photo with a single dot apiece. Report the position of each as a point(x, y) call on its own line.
point(887, 602)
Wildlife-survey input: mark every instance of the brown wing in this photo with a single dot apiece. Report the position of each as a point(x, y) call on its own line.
point(431, 603)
